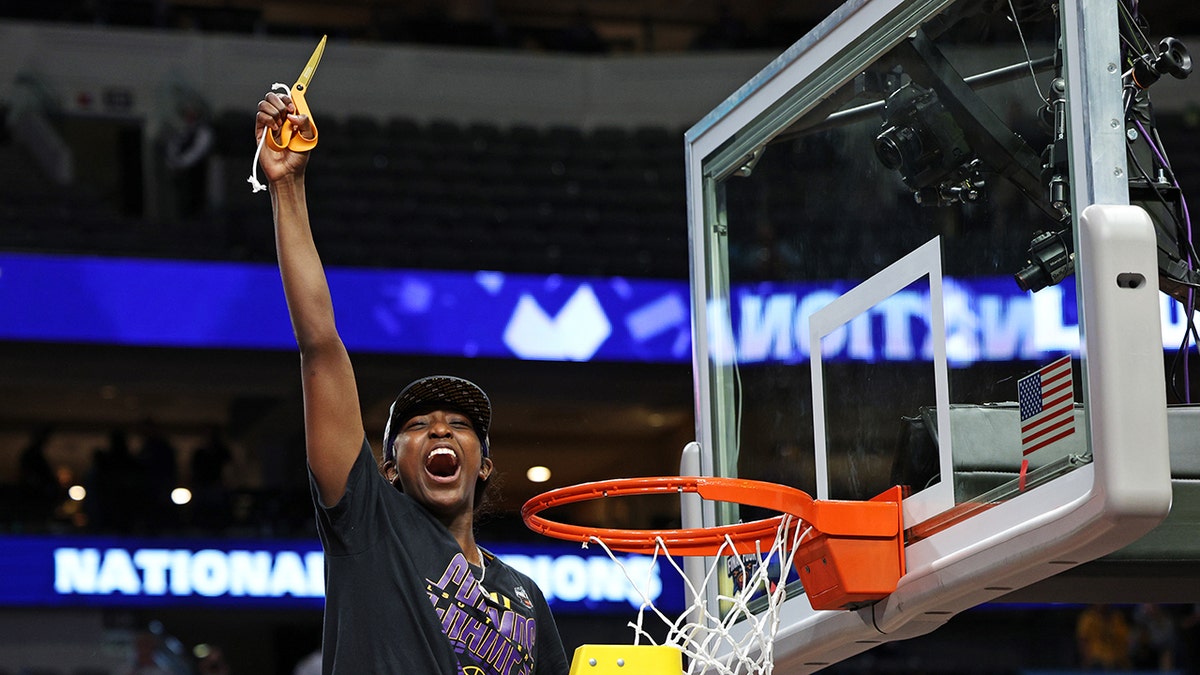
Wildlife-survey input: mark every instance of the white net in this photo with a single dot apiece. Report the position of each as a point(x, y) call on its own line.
point(731, 638)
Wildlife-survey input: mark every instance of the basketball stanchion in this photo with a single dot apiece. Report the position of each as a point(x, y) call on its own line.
point(846, 554)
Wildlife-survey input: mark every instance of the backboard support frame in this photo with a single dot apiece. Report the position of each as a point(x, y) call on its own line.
point(1100, 507)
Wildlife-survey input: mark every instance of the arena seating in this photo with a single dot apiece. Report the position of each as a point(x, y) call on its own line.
point(442, 194)
point(398, 193)
point(477, 196)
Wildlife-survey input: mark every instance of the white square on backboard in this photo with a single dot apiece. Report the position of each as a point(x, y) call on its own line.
point(925, 261)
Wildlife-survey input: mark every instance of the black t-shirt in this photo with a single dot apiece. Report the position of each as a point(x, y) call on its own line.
point(400, 596)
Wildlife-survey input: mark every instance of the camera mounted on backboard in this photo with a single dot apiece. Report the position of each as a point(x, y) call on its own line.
point(921, 140)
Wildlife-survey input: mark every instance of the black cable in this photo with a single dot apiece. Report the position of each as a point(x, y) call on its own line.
point(1185, 246)
point(1187, 249)
point(1189, 332)
point(1191, 255)
point(1180, 240)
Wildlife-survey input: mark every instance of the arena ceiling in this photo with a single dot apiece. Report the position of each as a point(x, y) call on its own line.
point(622, 25)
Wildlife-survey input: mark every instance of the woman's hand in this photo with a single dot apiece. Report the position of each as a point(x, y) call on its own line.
point(273, 110)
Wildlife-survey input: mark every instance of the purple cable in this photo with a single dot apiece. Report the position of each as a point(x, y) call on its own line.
point(1187, 221)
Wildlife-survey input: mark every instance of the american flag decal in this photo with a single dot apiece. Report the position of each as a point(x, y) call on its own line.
point(1047, 400)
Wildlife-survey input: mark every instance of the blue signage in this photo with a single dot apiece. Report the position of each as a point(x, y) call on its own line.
point(235, 305)
point(987, 319)
point(520, 316)
point(48, 571)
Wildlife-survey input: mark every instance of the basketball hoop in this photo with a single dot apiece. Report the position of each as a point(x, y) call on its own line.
point(846, 553)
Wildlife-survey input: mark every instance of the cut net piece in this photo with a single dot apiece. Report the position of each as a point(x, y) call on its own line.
point(257, 185)
point(701, 633)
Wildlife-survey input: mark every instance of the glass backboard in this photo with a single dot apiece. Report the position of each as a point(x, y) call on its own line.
point(915, 263)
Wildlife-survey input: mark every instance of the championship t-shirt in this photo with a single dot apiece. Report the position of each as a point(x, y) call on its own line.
point(400, 596)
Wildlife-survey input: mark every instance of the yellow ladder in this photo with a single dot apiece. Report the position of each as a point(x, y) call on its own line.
point(626, 660)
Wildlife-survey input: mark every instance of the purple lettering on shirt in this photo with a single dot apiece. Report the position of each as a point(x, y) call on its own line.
point(473, 634)
point(453, 621)
point(455, 571)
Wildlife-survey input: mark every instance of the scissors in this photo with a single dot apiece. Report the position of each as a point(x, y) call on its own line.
point(288, 138)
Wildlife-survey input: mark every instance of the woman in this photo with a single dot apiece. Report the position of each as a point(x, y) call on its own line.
point(407, 588)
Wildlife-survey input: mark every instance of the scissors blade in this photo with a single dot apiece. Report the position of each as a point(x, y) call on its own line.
point(311, 66)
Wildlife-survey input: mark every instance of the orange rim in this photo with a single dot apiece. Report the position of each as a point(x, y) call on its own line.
point(748, 537)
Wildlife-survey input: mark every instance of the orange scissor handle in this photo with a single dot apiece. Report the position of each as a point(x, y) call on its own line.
point(288, 138)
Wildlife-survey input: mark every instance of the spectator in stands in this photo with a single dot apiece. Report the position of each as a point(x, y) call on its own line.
point(187, 145)
point(1102, 633)
point(113, 486)
point(159, 466)
point(146, 661)
point(1189, 639)
point(1155, 638)
point(396, 541)
point(40, 492)
point(210, 503)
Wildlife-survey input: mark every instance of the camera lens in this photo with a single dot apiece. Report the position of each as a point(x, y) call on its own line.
point(1031, 278)
point(897, 147)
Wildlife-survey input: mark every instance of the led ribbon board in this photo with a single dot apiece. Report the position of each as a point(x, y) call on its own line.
point(49, 571)
point(538, 317)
